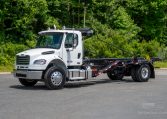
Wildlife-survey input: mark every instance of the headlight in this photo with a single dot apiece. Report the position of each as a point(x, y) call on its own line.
point(40, 62)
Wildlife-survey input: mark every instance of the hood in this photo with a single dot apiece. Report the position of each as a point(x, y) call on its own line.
point(37, 51)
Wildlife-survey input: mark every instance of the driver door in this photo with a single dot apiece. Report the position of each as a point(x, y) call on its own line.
point(73, 50)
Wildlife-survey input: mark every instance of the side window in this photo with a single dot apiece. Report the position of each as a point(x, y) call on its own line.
point(71, 40)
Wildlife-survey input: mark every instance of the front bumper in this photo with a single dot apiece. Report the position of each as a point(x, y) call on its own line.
point(28, 74)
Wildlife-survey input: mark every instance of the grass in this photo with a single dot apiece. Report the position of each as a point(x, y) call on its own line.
point(7, 68)
point(160, 64)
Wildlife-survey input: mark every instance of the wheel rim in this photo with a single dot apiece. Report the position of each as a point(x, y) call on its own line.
point(144, 72)
point(56, 78)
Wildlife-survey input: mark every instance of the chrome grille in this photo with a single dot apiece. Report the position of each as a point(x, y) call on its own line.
point(23, 60)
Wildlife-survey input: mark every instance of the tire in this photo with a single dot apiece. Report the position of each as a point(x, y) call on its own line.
point(27, 82)
point(55, 78)
point(114, 76)
point(141, 73)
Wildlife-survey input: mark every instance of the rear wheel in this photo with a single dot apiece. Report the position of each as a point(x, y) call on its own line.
point(141, 73)
point(55, 78)
point(27, 82)
point(113, 76)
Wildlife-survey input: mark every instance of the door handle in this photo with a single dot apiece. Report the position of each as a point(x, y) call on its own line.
point(79, 55)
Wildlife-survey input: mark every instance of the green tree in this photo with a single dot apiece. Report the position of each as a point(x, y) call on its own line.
point(123, 28)
point(24, 18)
point(151, 16)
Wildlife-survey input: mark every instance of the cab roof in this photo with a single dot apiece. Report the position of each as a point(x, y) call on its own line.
point(83, 31)
point(60, 31)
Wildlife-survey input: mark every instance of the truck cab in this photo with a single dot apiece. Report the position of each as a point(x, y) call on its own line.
point(66, 44)
point(62, 49)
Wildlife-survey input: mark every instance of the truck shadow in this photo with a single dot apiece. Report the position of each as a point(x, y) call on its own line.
point(36, 87)
point(74, 84)
point(96, 82)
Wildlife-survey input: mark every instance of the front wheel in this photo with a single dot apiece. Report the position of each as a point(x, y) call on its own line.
point(141, 73)
point(27, 82)
point(55, 78)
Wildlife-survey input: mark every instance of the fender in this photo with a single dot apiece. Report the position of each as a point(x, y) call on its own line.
point(57, 62)
point(152, 71)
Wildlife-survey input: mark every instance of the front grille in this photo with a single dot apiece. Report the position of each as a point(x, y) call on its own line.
point(23, 60)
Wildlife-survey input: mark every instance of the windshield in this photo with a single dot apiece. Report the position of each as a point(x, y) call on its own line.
point(50, 40)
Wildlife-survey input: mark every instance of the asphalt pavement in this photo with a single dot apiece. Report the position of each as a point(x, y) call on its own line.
point(98, 98)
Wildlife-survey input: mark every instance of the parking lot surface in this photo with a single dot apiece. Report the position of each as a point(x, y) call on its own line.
point(98, 98)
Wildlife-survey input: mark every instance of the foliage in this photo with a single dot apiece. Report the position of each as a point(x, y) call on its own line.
point(151, 16)
point(163, 53)
point(160, 64)
point(123, 28)
point(8, 51)
point(6, 68)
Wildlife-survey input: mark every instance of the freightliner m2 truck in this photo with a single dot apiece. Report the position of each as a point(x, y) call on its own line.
point(59, 58)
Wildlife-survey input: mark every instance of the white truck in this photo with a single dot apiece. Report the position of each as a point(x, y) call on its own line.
point(59, 57)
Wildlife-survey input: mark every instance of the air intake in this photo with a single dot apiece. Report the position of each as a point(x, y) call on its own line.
point(23, 60)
